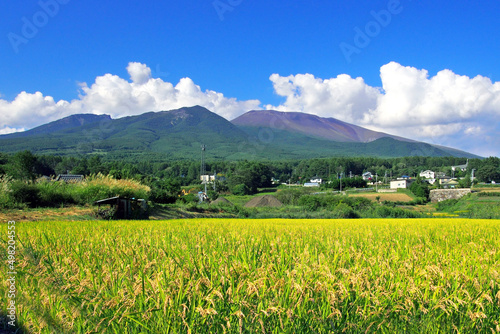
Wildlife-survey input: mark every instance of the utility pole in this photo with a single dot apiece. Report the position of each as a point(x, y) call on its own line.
point(472, 177)
point(376, 183)
point(341, 182)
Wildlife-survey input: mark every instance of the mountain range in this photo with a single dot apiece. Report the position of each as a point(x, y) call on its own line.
point(179, 134)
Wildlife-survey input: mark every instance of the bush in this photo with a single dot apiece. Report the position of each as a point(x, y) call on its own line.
point(105, 213)
point(420, 189)
point(55, 193)
point(311, 202)
point(489, 194)
point(388, 212)
point(446, 205)
point(343, 210)
point(25, 193)
point(292, 196)
point(189, 198)
point(165, 191)
point(241, 189)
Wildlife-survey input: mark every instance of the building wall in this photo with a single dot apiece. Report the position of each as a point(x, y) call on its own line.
point(438, 195)
point(399, 184)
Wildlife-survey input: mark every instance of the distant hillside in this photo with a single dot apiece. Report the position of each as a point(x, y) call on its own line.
point(310, 125)
point(70, 122)
point(332, 135)
point(178, 134)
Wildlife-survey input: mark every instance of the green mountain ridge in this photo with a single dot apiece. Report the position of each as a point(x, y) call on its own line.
point(179, 134)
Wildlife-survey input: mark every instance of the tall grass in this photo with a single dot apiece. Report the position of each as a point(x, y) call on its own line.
point(52, 194)
point(259, 276)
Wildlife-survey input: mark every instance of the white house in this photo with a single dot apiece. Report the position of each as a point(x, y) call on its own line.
point(401, 183)
point(428, 174)
point(463, 168)
point(367, 176)
point(316, 180)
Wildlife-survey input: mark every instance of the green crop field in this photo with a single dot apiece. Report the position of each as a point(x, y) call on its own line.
point(256, 276)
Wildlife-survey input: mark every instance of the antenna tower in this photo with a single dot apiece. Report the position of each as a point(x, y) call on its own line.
point(202, 167)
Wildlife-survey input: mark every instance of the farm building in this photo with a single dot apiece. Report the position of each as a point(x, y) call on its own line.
point(125, 208)
point(401, 184)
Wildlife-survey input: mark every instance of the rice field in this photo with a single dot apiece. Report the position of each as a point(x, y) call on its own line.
point(257, 276)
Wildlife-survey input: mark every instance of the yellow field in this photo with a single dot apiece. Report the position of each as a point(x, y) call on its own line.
point(257, 276)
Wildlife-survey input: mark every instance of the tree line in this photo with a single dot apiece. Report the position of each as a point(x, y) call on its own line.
point(241, 176)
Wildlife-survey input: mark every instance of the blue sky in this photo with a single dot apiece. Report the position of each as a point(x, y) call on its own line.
point(414, 60)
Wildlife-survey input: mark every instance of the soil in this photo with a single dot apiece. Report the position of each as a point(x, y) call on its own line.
point(70, 213)
point(221, 201)
point(263, 201)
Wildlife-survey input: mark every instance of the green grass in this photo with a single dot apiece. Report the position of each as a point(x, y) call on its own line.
point(472, 206)
point(255, 276)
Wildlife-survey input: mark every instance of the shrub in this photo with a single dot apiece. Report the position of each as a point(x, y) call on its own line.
point(55, 193)
point(241, 189)
point(26, 193)
point(165, 191)
point(292, 196)
point(388, 212)
point(311, 202)
point(189, 198)
point(489, 194)
point(343, 210)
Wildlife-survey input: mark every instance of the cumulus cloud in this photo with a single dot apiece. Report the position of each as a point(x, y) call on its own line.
point(342, 97)
point(115, 96)
point(447, 109)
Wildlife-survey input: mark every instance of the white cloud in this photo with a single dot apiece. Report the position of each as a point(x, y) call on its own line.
point(445, 109)
point(7, 130)
point(115, 96)
point(342, 97)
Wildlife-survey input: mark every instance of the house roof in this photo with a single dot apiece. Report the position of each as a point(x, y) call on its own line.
point(69, 178)
point(112, 200)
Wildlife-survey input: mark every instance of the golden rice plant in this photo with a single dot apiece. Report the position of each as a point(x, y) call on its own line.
point(259, 276)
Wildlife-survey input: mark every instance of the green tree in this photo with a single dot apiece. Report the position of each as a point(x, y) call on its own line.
point(252, 175)
point(22, 166)
point(490, 170)
point(420, 188)
point(165, 191)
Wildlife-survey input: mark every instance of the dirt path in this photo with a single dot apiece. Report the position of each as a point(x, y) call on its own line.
point(70, 213)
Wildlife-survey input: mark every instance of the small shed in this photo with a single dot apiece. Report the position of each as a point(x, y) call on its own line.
point(126, 208)
point(69, 178)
